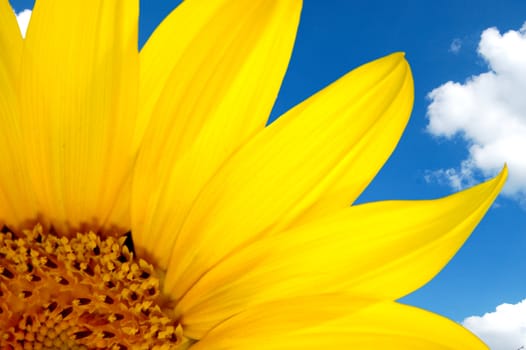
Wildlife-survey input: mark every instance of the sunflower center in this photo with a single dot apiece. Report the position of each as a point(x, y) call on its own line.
point(84, 292)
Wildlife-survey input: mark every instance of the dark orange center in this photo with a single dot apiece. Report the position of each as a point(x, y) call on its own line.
point(85, 292)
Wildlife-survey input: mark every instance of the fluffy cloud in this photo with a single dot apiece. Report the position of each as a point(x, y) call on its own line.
point(503, 329)
point(489, 112)
point(23, 20)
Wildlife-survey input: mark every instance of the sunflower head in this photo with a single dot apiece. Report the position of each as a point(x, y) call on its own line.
point(145, 204)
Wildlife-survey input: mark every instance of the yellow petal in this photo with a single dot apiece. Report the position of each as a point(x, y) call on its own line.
point(10, 39)
point(381, 250)
point(284, 170)
point(209, 77)
point(288, 315)
point(78, 92)
point(16, 200)
point(382, 325)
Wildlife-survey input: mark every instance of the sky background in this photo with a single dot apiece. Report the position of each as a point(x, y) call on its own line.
point(458, 135)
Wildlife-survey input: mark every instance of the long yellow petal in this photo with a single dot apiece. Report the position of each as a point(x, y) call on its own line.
point(209, 77)
point(284, 170)
point(78, 92)
point(279, 326)
point(289, 315)
point(10, 39)
point(16, 201)
point(381, 250)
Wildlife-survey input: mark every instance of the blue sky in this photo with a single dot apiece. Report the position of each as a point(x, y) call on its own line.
point(440, 40)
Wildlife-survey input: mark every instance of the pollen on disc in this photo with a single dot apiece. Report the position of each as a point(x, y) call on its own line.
point(84, 292)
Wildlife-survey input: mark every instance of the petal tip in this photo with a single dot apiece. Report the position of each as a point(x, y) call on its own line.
point(397, 56)
point(504, 171)
point(500, 178)
point(395, 61)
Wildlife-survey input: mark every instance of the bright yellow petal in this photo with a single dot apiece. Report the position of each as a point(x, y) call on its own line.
point(289, 315)
point(78, 92)
point(10, 39)
point(209, 77)
point(383, 325)
point(381, 250)
point(16, 200)
point(284, 170)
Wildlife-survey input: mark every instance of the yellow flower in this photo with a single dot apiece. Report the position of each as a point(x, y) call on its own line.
point(242, 236)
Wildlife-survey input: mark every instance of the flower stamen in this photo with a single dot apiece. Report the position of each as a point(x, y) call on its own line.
point(84, 292)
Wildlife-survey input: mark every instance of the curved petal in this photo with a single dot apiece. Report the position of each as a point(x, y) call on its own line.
point(10, 39)
point(289, 315)
point(206, 92)
point(16, 200)
point(381, 250)
point(285, 169)
point(281, 326)
point(78, 92)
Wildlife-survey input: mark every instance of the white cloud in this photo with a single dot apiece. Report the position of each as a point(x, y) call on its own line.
point(503, 329)
point(489, 112)
point(456, 178)
point(455, 45)
point(23, 20)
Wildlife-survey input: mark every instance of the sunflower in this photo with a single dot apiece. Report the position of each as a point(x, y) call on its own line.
point(145, 205)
